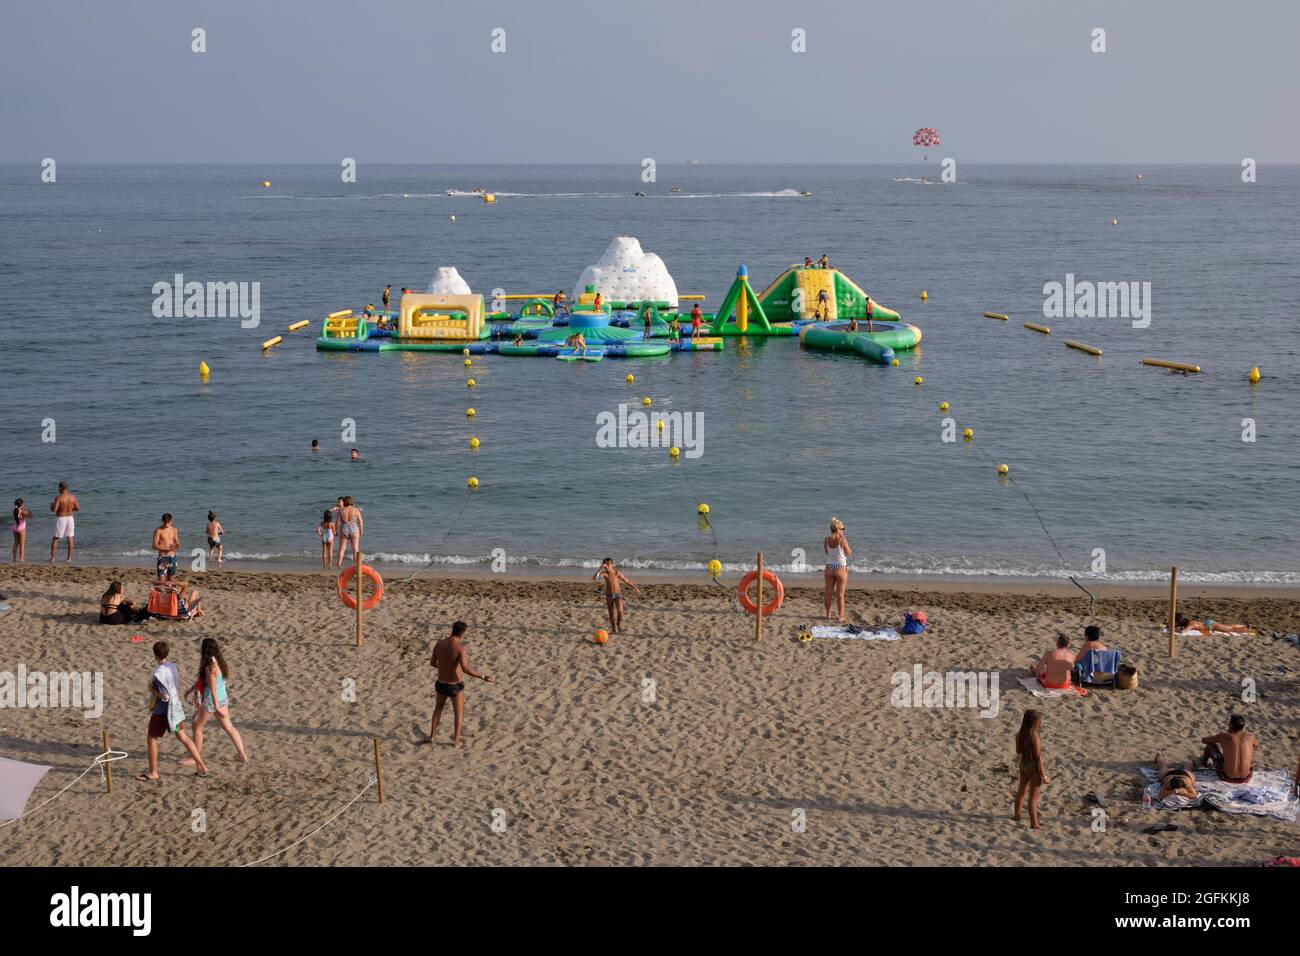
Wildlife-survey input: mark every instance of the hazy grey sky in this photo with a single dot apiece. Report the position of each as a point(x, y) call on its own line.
point(618, 80)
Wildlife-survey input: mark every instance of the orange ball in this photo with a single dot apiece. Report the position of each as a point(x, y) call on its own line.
point(602, 636)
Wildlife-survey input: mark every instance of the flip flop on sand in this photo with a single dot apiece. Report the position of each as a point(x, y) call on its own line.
point(145, 778)
point(1161, 828)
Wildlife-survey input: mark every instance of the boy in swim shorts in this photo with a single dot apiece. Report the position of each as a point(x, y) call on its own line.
point(166, 541)
point(612, 577)
point(451, 661)
point(215, 531)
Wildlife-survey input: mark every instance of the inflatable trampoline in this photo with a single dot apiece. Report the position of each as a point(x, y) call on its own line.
point(878, 345)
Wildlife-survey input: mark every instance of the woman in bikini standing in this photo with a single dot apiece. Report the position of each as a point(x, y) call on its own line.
point(1029, 758)
point(838, 552)
point(350, 528)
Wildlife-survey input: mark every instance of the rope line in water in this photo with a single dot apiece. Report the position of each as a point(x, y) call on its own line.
point(108, 756)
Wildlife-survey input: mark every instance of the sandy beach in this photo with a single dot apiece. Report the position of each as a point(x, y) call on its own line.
point(739, 742)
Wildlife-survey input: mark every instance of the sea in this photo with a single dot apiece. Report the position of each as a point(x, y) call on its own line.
point(1116, 471)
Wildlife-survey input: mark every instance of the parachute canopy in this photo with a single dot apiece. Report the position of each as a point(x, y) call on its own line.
point(926, 136)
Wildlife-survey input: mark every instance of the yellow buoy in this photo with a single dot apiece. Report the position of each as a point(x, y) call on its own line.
point(703, 509)
point(1090, 349)
point(1003, 469)
point(631, 379)
point(918, 380)
point(464, 351)
point(715, 568)
point(1114, 222)
point(1254, 375)
point(204, 370)
point(468, 363)
point(489, 198)
point(473, 443)
point(469, 413)
point(893, 363)
point(924, 295)
point(996, 315)
point(646, 400)
point(968, 434)
point(300, 325)
point(269, 342)
point(943, 406)
point(1035, 327)
point(674, 452)
point(473, 482)
point(470, 383)
point(266, 184)
point(660, 424)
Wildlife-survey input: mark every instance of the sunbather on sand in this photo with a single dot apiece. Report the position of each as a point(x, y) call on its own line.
point(1091, 641)
point(1179, 780)
point(1053, 668)
point(1209, 627)
point(1232, 754)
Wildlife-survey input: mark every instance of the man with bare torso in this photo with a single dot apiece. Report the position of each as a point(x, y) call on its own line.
point(64, 506)
point(166, 541)
point(451, 661)
point(1232, 754)
point(611, 577)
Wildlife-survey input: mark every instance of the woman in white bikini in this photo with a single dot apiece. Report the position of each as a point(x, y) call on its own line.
point(838, 552)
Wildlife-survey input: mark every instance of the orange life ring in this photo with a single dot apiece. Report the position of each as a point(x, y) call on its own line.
point(742, 592)
point(350, 599)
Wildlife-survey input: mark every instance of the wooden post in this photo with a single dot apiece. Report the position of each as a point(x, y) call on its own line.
point(1173, 606)
point(758, 615)
point(108, 766)
point(379, 772)
point(356, 552)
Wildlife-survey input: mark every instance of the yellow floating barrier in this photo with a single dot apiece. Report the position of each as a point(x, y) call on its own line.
point(300, 325)
point(691, 298)
point(339, 315)
point(1034, 327)
point(269, 342)
point(996, 315)
point(1090, 349)
point(1176, 366)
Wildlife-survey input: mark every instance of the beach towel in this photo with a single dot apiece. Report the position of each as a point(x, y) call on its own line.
point(1098, 662)
point(17, 781)
point(1270, 793)
point(848, 632)
point(165, 674)
point(1038, 690)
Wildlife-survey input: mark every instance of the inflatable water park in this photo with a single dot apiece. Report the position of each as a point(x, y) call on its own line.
point(626, 305)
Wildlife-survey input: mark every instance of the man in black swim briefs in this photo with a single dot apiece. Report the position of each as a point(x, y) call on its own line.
point(451, 660)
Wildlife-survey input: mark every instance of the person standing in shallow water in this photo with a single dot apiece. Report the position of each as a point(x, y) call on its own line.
point(64, 506)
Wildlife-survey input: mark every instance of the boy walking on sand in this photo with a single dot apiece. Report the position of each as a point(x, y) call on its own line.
point(451, 661)
point(612, 577)
point(166, 714)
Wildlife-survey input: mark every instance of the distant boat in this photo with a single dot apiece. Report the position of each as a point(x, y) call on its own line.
point(694, 162)
point(638, 194)
point(677, 189)
point(804, 192)
point(467, 192)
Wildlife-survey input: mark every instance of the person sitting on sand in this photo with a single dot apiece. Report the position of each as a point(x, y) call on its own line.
point(114, 608)
point(166, 541)
point(166, 713)
point(452, 661)
point(612, 577)
point(1179, 780)
point(213, 673)
point(1053, 668)
point(1208, 626)
point(1091, 641)
point(1029, 759)
point(189, 603)
point(1231, 754)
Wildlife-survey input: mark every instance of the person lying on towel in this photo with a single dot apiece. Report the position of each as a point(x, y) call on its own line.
point(1176, 780)
point(1209, 627)
point(1232, 754)
point(1053, 668)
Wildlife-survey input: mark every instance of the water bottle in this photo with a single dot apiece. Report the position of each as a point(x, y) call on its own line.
point(1146, 800)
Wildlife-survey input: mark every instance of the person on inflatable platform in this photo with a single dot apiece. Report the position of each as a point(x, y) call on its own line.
point(697, 321)
point(870, 309)
point(675, 329)
point(560, 302)
point(807, 262)
point(823, 262)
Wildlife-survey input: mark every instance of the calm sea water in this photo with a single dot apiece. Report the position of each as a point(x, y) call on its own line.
point(1149, 466)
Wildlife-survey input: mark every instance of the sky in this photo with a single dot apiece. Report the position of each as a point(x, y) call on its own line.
point(417, 81)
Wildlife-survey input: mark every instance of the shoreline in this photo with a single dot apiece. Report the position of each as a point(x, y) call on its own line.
point(878, 583)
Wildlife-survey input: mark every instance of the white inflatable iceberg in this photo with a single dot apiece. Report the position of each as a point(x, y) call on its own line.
point(625, 273)
point(447, 281)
